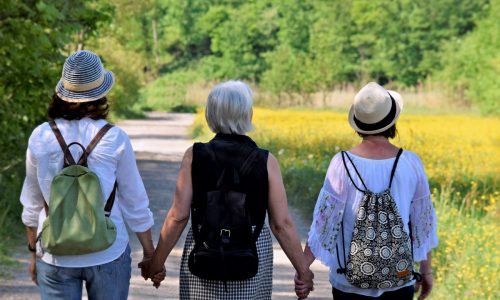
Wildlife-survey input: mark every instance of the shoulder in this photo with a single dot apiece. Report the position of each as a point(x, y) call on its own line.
point(414, 161)
point(271, 159)
point(411, 157)
point(118, 132)
point(336, 163)
point(40, 135)
point(188, 154)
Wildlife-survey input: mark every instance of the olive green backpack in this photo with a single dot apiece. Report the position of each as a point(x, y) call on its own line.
point(77, 223)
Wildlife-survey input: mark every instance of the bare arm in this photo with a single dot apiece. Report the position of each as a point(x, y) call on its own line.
point(177, 216)
point(281, 223)
point(147, 243)
point(309, 256)
point(31, 235)
point(427, 282)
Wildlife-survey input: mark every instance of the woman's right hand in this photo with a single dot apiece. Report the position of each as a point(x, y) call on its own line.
point(426, 283)
point(32, 269)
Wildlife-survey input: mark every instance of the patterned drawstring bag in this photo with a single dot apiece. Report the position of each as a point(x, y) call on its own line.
point(381, 252)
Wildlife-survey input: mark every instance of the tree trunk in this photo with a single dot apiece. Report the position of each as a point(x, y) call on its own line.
point(155, 43)
point(80, 39)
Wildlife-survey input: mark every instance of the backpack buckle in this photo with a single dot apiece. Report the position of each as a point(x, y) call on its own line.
point(225, 235)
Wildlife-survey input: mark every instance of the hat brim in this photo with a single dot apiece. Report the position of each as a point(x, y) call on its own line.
point(399, 106)
point(87, 96)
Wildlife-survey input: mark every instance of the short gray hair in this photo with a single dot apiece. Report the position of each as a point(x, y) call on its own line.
point(229, 108)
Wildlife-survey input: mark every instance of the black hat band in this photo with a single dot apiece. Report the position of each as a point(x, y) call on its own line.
point(380, 124)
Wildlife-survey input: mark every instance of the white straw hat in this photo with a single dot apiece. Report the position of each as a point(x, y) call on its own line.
point(375, 109)
point(84, 78)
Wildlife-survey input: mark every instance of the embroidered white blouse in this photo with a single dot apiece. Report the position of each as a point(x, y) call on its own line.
point(112, 158)
point(339, 199)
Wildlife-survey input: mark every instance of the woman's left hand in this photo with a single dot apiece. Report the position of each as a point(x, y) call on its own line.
point(32, 269)
point(425, 285)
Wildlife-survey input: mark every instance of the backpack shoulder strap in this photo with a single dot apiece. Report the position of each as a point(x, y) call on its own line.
point(393, 171)
point(93, 143)
point(88, 150)
point(110, 201)
point(247, 164)
point(61, 141)
point(344, 154)
point(243, 170)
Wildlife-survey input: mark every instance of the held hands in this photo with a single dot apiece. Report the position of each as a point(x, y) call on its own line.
point(304, 284)
point(148, 270)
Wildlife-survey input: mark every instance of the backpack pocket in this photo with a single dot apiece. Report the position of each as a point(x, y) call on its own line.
point(226, 265)
point(226, 207)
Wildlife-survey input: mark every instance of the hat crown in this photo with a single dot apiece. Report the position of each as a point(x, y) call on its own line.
point(372, 103)
point(82, 67)
point(84, 78)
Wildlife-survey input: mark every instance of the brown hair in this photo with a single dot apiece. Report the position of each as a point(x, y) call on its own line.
point(96, 110)
point(389, 133)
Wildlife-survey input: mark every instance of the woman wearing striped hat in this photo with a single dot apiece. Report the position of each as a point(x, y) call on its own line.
point(78, 113)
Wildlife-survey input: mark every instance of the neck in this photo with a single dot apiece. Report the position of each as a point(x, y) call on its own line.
point(375, 139)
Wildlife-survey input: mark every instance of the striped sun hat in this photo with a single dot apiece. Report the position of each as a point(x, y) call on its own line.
point(84, 78)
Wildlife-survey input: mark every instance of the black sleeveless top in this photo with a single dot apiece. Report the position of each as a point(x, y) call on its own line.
point(230, 150)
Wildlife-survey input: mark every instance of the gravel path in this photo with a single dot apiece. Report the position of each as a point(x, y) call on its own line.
point(159, 143)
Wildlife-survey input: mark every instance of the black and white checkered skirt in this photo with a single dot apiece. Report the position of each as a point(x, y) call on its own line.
point(258, 287)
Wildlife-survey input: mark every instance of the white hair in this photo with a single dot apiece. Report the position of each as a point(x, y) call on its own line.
point(229, 108)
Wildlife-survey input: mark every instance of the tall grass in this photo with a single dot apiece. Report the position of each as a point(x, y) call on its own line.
point(189, 88)
point(461, 155)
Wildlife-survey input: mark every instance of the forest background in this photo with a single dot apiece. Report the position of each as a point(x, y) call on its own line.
point(443, 55)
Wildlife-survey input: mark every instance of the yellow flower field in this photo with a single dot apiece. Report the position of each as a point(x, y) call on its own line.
point(461, 155)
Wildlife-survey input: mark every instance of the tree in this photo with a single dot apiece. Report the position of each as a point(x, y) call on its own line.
point(472, 64)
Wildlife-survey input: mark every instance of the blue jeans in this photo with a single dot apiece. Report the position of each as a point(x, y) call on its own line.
point(109, 281)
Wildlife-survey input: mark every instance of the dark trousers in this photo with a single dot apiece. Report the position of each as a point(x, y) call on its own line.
point(405, 293)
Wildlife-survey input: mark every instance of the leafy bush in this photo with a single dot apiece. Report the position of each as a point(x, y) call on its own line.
point(168, 92)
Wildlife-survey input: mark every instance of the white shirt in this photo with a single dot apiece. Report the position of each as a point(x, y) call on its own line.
point(112, 159)
point(339, 200)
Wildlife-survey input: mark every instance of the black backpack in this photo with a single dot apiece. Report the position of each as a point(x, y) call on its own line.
point(224, 239)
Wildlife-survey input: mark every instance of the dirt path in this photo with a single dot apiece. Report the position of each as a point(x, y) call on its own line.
point(160, 142)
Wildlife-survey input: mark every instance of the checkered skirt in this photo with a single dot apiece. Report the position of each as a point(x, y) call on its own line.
point(257, 287)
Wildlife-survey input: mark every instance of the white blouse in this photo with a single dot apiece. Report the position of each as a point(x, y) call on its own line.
point(112, 159)
point(339, 199)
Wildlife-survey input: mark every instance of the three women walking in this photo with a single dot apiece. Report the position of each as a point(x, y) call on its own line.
point(375, 200)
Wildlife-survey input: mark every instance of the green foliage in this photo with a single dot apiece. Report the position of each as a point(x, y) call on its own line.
point(168, 93)
point(292, 47)
point(472, 64)
point(33, 37)
point(238, 45)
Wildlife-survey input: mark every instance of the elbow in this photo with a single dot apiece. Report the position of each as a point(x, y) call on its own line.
point(278, 227)
point(179, 218)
